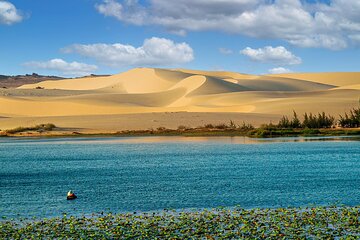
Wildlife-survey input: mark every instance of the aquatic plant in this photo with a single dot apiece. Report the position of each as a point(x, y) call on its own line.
point(220, 223)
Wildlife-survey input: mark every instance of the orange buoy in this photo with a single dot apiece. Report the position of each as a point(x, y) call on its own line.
point(71, 195)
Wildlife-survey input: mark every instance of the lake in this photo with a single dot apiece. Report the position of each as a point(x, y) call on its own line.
point(154, 173)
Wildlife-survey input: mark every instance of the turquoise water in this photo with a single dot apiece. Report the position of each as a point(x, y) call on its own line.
point(153, 173)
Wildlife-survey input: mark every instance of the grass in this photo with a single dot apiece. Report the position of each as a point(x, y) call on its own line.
point(266, 133)
point(283, 223)
point(201, 131)
point(39, 128)
point(242, 130)
point(220, 129)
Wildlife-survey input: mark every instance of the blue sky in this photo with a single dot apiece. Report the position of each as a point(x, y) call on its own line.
point(73, 38)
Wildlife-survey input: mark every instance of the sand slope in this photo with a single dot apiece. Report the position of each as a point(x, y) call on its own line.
point(148, 90)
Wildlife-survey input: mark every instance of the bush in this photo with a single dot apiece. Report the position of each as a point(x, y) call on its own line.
point(40, 127)
point(246, 126)
point(295, 122)
point(46, 127)
point(221, 126)
point(232, 125)
point(352, 120)
point(209, 125)
point(318, 121)
point(286, 123)
point(269, 126)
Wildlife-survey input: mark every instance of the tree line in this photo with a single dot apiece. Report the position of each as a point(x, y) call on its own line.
point(321, 120)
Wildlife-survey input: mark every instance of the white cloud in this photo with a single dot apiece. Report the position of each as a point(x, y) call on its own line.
point(225, 51)
point(275, 55)
point(295, 21)
point(153, 52)
point(279, 70)
point(9, 14)
point(110, 8)
point(130, 11)
point(63, 67)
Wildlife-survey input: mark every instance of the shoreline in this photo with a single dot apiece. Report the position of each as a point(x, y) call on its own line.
point(195, 132)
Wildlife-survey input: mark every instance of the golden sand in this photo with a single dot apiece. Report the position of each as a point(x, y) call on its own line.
point(111, 102)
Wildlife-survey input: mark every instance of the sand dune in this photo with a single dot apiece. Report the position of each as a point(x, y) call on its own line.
point(218, 74)
point(147, 90)
point(336, 78)
point(355, 87)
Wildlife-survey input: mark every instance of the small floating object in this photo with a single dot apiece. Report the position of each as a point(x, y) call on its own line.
point(71, 195)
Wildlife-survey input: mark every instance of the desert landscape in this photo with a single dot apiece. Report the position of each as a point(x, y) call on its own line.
point(145, 98)
point(187, 119)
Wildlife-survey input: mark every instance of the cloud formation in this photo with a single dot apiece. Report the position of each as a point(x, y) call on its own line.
point(9, 14)
point(275, 55)
point(279, 70)
point(63, 67)
point(153, 52)
point(333, 26)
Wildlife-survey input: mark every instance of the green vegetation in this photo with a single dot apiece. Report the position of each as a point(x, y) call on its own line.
point(221, 223)
point(39, 128)
point(321, 120)
point(312, 125)
point(265, 131)
point(320, 124)
point(351, 120)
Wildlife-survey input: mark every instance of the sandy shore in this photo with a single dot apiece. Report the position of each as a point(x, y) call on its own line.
point(143, 121)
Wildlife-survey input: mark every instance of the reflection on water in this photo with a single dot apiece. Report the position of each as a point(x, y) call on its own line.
point(179, 139)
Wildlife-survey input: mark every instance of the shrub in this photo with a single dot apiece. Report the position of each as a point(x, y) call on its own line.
point(246, 126)
point(284, 122)
point(295, 122)
point(221, 126)
point(318, 121)
point(40, 127)
point(352, 120)
point(232, 124)
point(269, 126)
point(46, 127)
point(209, 125)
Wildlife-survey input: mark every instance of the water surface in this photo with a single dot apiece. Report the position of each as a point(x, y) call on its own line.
point(153, 173)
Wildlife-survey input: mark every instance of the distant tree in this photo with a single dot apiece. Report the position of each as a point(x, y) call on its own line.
point(351, 120)
point(232, 124)
point(246, 126)
point(321, 120)
point(284, 122)
point(305, 123)
point(295, 122)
